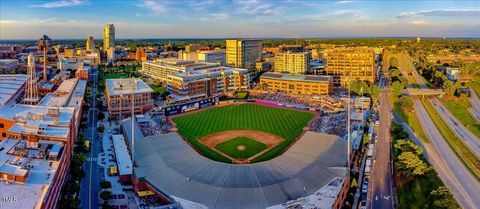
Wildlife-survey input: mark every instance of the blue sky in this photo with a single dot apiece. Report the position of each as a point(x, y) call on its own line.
point(24, 19)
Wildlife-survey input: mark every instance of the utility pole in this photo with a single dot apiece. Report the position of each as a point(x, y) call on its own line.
point(348, 126)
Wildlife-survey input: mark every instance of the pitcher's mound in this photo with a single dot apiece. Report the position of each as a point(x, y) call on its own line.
point(240, 147)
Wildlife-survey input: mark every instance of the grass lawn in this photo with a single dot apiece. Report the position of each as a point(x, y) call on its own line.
point(411, 119)
point(251, 146)
point(475, 85)
point(468, 158)
point(115, 76)
point(158, 89)
point(285, 123)
point(459, 106)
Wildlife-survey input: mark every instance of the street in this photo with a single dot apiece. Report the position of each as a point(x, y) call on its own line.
point(475, 102)
point(90, 185)
point(381, 177)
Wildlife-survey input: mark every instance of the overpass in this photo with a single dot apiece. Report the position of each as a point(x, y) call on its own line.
point(422, 92)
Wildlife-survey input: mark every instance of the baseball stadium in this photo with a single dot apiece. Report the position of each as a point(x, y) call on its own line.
point(242, 155)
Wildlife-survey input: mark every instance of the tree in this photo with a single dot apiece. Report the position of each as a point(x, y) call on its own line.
point(374, 92)
point(397, 88)
point(404, 145)
point(442, 198)
point(410, 164)
point(405, 102)
point(101, 129)
point(101, 116)
point(106, 195)
point(105, 184)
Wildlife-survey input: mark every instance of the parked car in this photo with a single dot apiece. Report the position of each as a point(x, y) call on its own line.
point(365, 185)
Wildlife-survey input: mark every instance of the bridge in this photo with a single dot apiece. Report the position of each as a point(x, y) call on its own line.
point(422, 92)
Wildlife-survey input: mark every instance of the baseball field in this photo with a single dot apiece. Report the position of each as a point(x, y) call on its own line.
point(242, 133)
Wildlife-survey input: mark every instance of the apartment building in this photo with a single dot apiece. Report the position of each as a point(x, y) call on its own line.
point(212, 57)
point(119, 94)
point(292, 62)
point(356, 63)
point(297, 84)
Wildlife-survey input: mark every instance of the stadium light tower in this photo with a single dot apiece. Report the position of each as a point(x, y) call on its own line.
point(348, 124)
point(134, 85)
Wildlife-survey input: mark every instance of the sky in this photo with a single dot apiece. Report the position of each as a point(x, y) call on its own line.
point(77, 19)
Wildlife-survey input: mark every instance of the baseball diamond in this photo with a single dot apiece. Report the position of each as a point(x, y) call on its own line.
point(264, 126)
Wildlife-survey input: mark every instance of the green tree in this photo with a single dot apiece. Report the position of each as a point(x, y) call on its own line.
point(405, 102)
point(406, 145)
point(101, 129)
point(374, 92)
point(101, 116)
point(397, 88)
point(410, 164)
point(105, 184)
point(443, 199)
point(106, 195)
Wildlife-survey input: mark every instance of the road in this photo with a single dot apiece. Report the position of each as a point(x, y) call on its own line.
point(90, 185)
point(475, 102)
point(381, 177)
point(457, 127)
point(450, 169)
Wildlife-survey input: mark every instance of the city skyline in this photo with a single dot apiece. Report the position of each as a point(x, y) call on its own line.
point(77, 19)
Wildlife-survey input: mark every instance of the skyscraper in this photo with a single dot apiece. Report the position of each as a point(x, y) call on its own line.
point(90, 46)
point(108, 36)
point(243, 53)
point(292, 62)
point(44, 42)
point(355, 63)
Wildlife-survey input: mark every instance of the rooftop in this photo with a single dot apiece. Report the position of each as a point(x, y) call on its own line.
point(10, 84)
point(125, 86)
point(310, 164)
point(61, 96)
point(124, 162)
point(42, 120)
point(41, 173)
point(293, 77)
point(206, 73)
point(182, 64)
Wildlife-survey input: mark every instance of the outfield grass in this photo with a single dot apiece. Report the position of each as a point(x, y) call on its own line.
point(468, 158)
point(285, 123)
point(252, 147)
point(411, 119)
point(459, 106)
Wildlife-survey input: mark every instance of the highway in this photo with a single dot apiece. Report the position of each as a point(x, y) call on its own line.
point(450, 169)
point(381, 177)
point(457, 127)
point(90, 185)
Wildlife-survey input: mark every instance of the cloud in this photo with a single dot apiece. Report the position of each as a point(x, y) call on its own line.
point(220, 16)
point(419, 22)
point(255, 7)
point(344, 2)
point(158, 7)
point(63, 3)
point(443, 13)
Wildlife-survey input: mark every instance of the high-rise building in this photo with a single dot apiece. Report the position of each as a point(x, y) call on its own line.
point(140, 54)
point(90, 46)
point(108, 36)
point(356, 63)
point(44, 42)
point(243, 53)
point(292, 62)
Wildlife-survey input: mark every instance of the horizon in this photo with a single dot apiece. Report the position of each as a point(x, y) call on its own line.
point(217, 19)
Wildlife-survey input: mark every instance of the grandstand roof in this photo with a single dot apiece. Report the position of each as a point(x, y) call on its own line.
point(170, 165)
